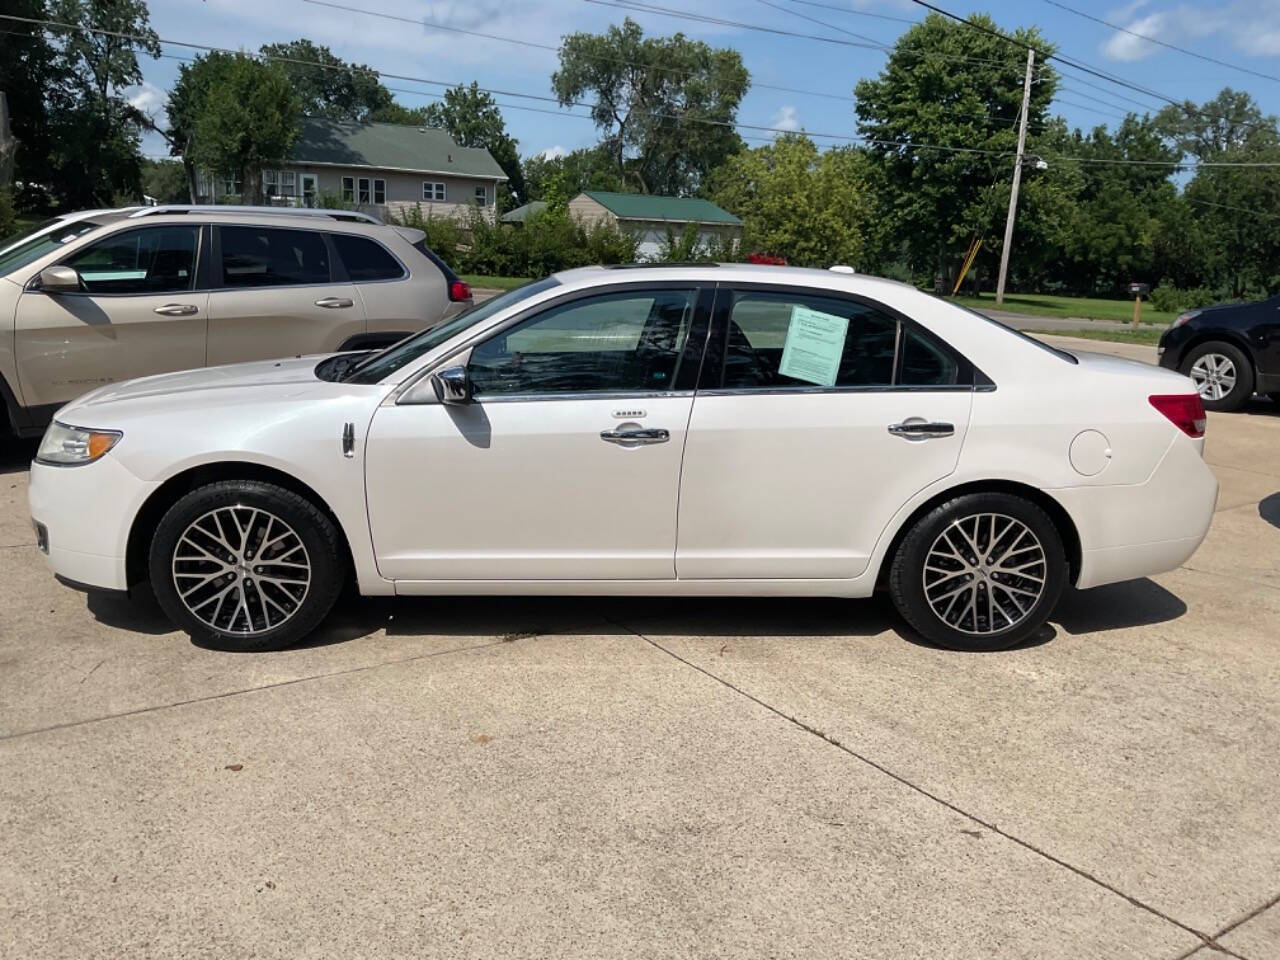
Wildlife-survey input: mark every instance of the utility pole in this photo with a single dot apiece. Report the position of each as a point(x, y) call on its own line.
point(1017, 177)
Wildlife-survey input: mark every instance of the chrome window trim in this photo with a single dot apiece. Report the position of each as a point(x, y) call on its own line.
point(481, 400)
point(865, 388)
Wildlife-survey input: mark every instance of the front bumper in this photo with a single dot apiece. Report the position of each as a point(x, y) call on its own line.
point(86, 513)
point(1136, 530)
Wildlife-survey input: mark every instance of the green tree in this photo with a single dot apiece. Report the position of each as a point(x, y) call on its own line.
point(26, 74)
point(795, 202)
point(327, 85)
point(232, 114)
point(948, 85)
point(165, 181)
point(471, 116)
point(665, 105)
point(557, 180)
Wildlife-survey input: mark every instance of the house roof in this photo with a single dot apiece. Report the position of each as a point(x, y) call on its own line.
point(390, 146)
point(522, 213)
point(646, 206)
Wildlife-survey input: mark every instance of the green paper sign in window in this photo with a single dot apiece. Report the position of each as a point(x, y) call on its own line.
point(814, 345)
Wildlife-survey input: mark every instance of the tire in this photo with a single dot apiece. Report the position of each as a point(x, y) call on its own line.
point(1222, 373)
point(929, 589)
point(202, 571)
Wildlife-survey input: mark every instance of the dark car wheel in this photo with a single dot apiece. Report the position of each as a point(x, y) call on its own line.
point(1222, 374)
point(980, 572)
point(244, 565)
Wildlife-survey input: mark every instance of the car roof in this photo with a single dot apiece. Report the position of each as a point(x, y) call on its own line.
point(313, 218)
point(734, 273)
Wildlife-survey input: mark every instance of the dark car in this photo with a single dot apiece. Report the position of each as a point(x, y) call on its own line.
point(1231, 351)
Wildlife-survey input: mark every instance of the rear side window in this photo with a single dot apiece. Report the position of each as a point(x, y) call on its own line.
point(924, 363)
point(365, 259)
point(267, 257)
point(148, 260)
point(785, 340)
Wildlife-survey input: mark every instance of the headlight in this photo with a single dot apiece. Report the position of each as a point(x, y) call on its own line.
point(65, 446)
point(1184, 317)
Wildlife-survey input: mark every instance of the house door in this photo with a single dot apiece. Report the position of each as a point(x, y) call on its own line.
point(308, 189)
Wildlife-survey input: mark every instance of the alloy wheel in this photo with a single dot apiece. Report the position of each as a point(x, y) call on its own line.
point(984, 573)
point(241, 570)
point(1214, 375)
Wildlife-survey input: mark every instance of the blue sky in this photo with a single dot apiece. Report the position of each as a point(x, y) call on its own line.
point(1242, 32)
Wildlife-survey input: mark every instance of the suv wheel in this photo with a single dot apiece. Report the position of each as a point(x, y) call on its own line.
point(244, 565)
point(980, 572)
point(1222, 374)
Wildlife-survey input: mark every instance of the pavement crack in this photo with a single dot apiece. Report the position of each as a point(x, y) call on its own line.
point(236, 693)
point(1205, 939)
point(1234, 924)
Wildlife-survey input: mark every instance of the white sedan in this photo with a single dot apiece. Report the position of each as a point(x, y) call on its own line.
point(666, 431)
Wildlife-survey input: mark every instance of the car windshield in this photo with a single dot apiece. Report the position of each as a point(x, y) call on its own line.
point(381, 365)
point(22, 248)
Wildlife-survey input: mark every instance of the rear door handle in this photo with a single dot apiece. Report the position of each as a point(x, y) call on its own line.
point(914, 429)
point(177, 310)
point(636, 436)
point(334, 303)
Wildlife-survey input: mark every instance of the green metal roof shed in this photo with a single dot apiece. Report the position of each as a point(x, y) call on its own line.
point(646, 206)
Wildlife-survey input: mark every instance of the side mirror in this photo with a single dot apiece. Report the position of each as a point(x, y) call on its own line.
point(452, 385)
point(59, 279)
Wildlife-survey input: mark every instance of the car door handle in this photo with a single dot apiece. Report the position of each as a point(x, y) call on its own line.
point(921, 429)
point(334, 303)
point(642, 435)
point(177, 310)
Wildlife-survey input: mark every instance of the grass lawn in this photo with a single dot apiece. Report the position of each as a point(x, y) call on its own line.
point(494, 283)
point(1086, 308)
point(1141, 335)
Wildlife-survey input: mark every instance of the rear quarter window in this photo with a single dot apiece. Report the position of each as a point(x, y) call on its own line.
point(366, 259)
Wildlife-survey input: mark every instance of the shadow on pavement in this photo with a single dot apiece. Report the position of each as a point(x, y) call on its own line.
point(16, 455)
point(1117, 606)
point(1269, 509)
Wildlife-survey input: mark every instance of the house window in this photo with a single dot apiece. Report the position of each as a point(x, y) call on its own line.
point(348, 189)
point(366, 195)
point(379, 191)
point(432, 190)
point(482, 196)
point(270, 183)
point(230, 186)
point(288, 183)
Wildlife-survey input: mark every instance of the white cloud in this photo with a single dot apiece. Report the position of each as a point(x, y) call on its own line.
point(551, 153)
point(1251, 27)
point(146, 97)
point(785, 119)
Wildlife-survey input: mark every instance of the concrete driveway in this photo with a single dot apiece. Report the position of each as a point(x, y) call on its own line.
point(628, 778)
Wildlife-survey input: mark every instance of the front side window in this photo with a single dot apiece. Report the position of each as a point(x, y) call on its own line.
point(24, 248)
point(797, 340)
point(148, 260)
point(265, 257)
point(365, 259)
point(614, 343)
point(432, 190)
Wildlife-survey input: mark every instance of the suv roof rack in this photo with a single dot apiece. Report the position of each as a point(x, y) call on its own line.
point(354, 216)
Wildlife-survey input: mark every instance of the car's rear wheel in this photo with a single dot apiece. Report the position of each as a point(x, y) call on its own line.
point(1222, 374)
point(245, 565)
point(982, 571)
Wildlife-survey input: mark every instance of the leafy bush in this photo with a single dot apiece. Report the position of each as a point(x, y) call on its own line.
point(1170, 299)
point(8, 222)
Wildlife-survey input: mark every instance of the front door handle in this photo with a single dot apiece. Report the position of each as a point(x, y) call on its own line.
point(177, 310)
point(334, 303)
point(636, 436)
point(915, 429)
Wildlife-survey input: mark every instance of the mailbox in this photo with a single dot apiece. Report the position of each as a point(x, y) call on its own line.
point(1139, 289)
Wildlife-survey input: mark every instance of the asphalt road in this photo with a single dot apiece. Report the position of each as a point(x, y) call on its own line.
point(632, 778)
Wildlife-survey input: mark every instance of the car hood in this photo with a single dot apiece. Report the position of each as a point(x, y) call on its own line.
point(295, 373)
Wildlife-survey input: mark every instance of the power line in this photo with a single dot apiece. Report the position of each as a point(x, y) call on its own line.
point(1081, 106)
point(1168, 46)
point(855, 13)
point(701, 120)
point(1226, 206)
point(546, 46)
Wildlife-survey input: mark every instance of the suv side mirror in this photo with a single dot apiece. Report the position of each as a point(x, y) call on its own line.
point(60, 279)
point(452, 385)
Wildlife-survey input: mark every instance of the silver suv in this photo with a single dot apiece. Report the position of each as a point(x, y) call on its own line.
point(109, 295)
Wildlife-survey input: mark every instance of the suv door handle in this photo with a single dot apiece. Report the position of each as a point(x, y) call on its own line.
point(638, 436)
point(177, 310)
point(915, 429)
point(334, 303)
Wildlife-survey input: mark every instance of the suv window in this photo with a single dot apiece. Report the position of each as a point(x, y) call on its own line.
point(270, 257)
point(365, 259)
point(627, 342)
point(795, 340)
point(142, 261)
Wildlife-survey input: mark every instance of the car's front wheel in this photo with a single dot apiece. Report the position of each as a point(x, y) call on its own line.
point(1222, 374)
point(982, 571)
point(245, 565)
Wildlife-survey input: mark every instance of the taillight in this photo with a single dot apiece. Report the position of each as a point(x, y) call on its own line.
point(1184, 410)
point(459, 291)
